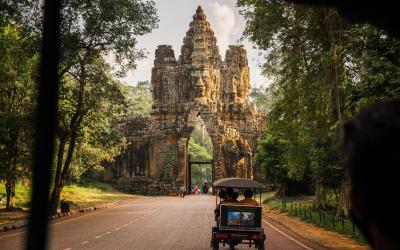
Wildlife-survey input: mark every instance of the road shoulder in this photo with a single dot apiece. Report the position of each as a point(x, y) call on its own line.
point(23, 221)
point(316, 238)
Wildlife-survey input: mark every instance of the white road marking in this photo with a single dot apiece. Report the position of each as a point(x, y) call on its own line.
point(125, 212)
point(67, 248)
point(98, 237)
point(108, 232)
point(125, 225)
point(287, 236)
point(79, 217)
point(9, 235)
point(85, 242)
point(117, 228)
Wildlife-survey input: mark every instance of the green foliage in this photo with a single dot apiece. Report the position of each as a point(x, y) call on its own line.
point(200, 148)
point(86, 192)
point(261, 98)
point(139, 99)
point(324, 69)
point(17, 99)
point(90, 98)
point(89, 110)
point(270, 156)
point(22, 194)
point(376, 60)
point(200, 136)
point(197, 151)
point(200, 172)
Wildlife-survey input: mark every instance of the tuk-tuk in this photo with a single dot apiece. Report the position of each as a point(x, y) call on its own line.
point(238, 223)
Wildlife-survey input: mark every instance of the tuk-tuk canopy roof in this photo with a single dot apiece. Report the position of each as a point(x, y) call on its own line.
point(237, 183)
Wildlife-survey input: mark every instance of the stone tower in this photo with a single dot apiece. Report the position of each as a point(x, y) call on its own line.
point(198, 83)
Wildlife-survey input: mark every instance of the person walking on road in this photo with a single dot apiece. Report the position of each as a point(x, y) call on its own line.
point(182, 191)
point(196, 189)
point(205, 188)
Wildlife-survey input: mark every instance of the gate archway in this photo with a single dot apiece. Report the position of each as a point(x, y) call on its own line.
point(198, 83)
point(189, 171)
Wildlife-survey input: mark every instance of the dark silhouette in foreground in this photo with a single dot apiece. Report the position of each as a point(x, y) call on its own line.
point(371, 145)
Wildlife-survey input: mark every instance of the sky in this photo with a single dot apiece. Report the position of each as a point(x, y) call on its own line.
point(175, 16)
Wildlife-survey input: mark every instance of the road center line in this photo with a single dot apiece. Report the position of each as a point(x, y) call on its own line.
point(287, 236)
point(85, 242)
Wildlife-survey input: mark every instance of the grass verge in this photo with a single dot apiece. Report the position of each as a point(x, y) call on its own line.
point(302, 208)
point(84, 194)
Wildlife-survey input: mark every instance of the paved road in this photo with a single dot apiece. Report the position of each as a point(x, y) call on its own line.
point(147, 223)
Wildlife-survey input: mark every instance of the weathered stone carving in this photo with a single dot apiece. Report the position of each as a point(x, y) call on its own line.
point(199, 83)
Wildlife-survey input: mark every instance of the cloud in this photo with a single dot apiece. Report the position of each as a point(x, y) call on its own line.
point(222, 20)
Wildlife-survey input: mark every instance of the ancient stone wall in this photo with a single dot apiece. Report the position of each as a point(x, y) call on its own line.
point(199, 83)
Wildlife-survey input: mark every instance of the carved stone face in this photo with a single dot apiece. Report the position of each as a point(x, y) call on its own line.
point(199, 87)
point(201, 82)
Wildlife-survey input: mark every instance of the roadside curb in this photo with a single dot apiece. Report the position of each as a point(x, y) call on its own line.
point(25, 222)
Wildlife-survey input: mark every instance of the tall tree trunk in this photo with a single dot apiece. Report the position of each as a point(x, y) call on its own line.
point(344, 204)
point(61, 176)
point(336, 194)
point(10, 193)
point(318, 194)
point(63, 169)
point(12, 175)
point(56, 192)
point(334, 27)
point(324, 198)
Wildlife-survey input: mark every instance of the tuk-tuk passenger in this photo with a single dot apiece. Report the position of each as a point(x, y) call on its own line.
point(248, 197)
point(230, 195)
point(227, 196)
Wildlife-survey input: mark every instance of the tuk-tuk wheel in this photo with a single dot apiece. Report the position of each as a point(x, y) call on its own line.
point(232, 245)
point(260, 245)
point(215, 244)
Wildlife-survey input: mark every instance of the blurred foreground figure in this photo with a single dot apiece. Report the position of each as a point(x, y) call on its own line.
point(372, 150)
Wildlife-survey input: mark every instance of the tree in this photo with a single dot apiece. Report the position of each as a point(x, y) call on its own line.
point(324, 70)
point(17, 99)
point(306, 57)
point(261, 98)
point(376, 64)
point(139, 99)
point(200, 172)
point(91, 30)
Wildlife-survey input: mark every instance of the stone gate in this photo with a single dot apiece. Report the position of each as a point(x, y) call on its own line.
point(198, 83)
